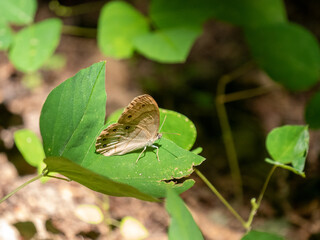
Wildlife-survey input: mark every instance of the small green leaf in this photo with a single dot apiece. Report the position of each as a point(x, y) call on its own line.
point(18, 11)
point(29, 146)
point(256, 235)
point(180, 13)
point(287, 52)
point(119, 23)
point(6, 36)
point(177, 127)
point(182, 225)
point(93, 180)
point(33, 45)
point(288, 145)
point(250, 13)
point(312, 114)
point(168, 45)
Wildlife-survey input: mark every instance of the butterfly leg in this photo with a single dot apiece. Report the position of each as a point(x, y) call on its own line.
point(141, 153)
point(157, 151)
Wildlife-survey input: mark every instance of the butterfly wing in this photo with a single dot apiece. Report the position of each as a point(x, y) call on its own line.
point(118, 139)
point(137, 127)
point(143, 111)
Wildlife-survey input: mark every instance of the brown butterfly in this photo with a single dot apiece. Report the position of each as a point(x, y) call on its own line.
point(136, 128)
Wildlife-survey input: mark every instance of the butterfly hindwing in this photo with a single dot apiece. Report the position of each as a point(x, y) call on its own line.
point(136, 128)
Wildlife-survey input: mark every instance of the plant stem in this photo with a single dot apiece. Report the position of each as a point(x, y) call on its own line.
point(226, 129)
point(20, 187)
point(256, 204)
point(222, 199)
point(79, 31)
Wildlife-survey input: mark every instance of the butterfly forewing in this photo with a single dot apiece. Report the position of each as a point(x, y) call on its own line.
point(137, 126)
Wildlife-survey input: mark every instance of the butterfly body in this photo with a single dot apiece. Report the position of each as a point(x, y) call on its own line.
point(136, 128)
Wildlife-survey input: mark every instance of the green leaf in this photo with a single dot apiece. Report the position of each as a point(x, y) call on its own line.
point(182, 225)
point(250, 13)
point(288, 145)
point(312, 114)
point(6, 36)
point(73, 114)
point(93, 180)
point(180, 13)
point(29, 146)
point(72, 118)
point(18, 11)
point(119, 23)
point(149, 175)
point(175, 123)
point(168, 45)
point(287, 52)
point(255, 235)
point(33, 45)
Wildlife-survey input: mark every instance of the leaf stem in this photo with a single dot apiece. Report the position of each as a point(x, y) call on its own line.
point(222, 199)
point(20, 187)
point(256, 204)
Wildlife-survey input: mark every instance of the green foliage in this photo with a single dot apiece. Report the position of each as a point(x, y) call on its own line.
point(180, 13)
point(18, 11)
point(119, 24)
point(29, 146)
point(249, 13)
point(72, 118)
point(293, 63)
point(168, 45)
point(33, 45)
point(6, 36)
point(312, 114)
point(182, 225)
point(255, 235)
point(288, 145)
point(92, 180)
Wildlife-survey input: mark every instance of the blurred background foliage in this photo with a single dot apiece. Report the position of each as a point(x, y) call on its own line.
point(179, 52)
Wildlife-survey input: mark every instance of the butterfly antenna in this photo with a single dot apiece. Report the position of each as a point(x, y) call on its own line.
point(165, 117)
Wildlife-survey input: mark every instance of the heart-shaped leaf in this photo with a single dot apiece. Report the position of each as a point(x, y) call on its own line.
point(72, 118)
point(167, 45)
point(287, 52)
point(288, 145)
point(18, 11)
point(33, 45)
point(119, 23)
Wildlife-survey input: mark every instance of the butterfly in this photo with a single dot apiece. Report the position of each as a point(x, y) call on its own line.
point(137, 128)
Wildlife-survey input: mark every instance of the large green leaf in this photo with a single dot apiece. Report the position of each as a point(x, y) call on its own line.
point(73, 114)
point(93, 180)
point(167, 45)
point(312, 114)
point(177, 127)
point(288, 145)
point(249, 13)
point(18, 11)
point(119, 23)
point(256, 235)
point(180, 13)
point(182, 225)
point(287, 52)
point(29, 146)
point(6, 36)
point(72, 118)
point(33, 45)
